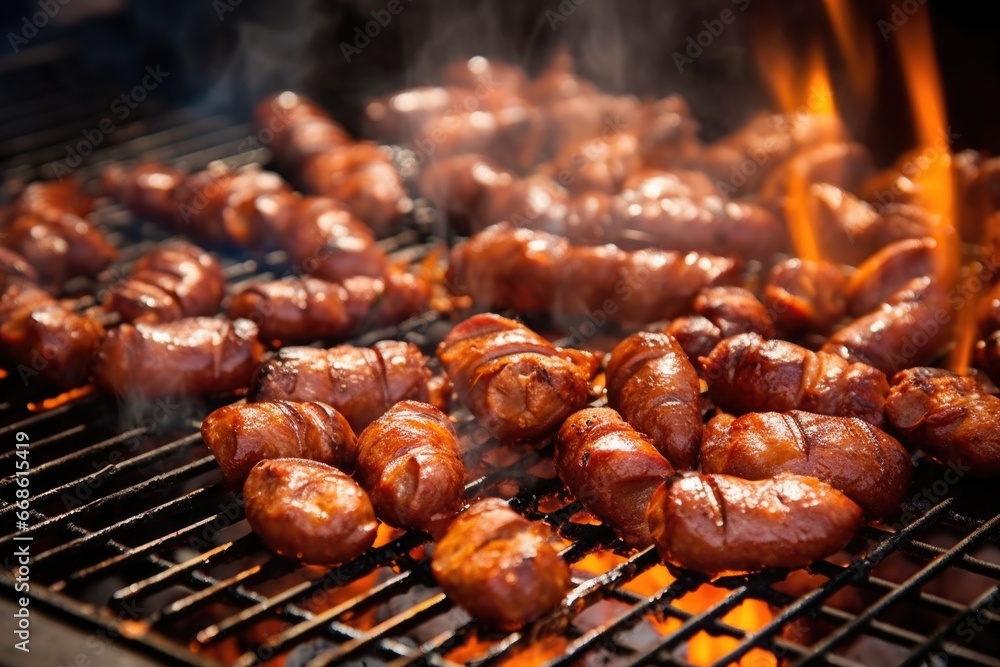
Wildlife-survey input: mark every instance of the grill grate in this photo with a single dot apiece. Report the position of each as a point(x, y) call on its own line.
point(132, 530)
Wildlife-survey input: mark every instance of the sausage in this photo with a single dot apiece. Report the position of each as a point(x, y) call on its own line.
point(598, 164)
point(195, 355)
point(60, 247)
point(14, 267)
point(696, 335)
point(656, 389)
point(721, 312)
point(457, 185)
point(869, 466)
point(240, 436)
point(948, 416)
point(612, 468)
point(535, 202)
point(360, 382)
point(51, 341)
point(988, 311)
point(529, 271)
point(399, 116)
point(749, 374)
point(804, 296)
point(517, 384)
point(844, 164)
point(321, 236)
point(718, 524)
point(299, 128)
point(174, 280)
point(410, 463)
point(499, 566)
point(888, 271)
point(910, 329)
point(50, 200)
point(147, 189)
point(22, 295)
point(309, 511)
point(668, 134)
point(988, 356)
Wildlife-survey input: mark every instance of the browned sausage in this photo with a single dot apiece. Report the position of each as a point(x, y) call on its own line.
point(908, 330)
point(410, 464)
point(529, 271)
point(458, 184)
point(656, 389)
point(360, 382)
point(499, 566)
point(867, 465)
point(309, 511)
point(296, 128)
point(21, 294)
point(949, 417)
point(52, 342)
point(398, 117)
point(721, 312)
point(988, 356)
point(599, 164)
point(174, 280)
point(749, 374)
point(14, 267)
point(195, 355)
point(50, 200)
point(60, 248)
point(719, 524)
point(240, 436)
point(146, 189)
point(805, 296)
point(612, 469)
point(888, 271)
point(517, 384)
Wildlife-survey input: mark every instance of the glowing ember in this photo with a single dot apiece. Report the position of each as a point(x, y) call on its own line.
point(61, 399)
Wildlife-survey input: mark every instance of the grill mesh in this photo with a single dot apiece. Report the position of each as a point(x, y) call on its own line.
point(132, 529)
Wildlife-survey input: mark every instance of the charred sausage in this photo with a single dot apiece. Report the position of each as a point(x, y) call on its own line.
point(612, 469)
point(360, 382)
point(869, 466)
point(410, 464)
point(749, 374)
point(499, 566)
point(948, 416)
point(309, 511)
point(717, 524)
point(656, 389)
point(240, 436)
point(517, 384)
point(197, 355)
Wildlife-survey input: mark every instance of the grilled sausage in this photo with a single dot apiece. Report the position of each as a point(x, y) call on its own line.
point(174, 280)
point(295, 310)
point(499, 566)
point(518, 385)
point(458, 184)
point(196, 355)
point(599, 164)
point(60, 247)
point(298, 128)
point(656, 389)
point(948, 416)
point(749, 374)
point(321, 236)
point(528, 271)
point(888, 271)
point(22, 295)
point(14, 267)
point(696, 335)
point(50, 200)
point(717, 524)
point(535, 202)
point(51, 341)
point(360, 382)
point(721, 312)
point(240, 436)
point(400, 116)
point(309, 511)
point(612, 469)
point(867, 465)
point(910, 329)
point(410, 464)
point(147, 189)
point(805, 296)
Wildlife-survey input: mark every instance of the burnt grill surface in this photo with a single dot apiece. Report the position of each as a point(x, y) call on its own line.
point(132, 531)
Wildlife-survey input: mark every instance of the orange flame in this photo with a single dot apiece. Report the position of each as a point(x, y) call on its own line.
point(855, 41)
point(61, 399)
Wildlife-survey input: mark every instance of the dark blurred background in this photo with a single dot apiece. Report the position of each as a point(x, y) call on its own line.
point(225, 54)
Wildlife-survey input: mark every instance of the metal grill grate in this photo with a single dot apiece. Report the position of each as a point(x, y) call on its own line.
point(133, 532)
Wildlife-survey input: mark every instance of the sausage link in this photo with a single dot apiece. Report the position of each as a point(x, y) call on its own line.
point(805, 296)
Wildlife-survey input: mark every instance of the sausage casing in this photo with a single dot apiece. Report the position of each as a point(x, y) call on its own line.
point(410, 463)
point(717, 524)
point(517, 384)
point(499, 566)
point(612, 469)
point(869, 466)
point(240, 436)
point(656, 389)
point(309, 511)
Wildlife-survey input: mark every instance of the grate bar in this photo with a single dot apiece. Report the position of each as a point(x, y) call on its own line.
point(48, 414)
point(915, 581)
point(945, 630)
